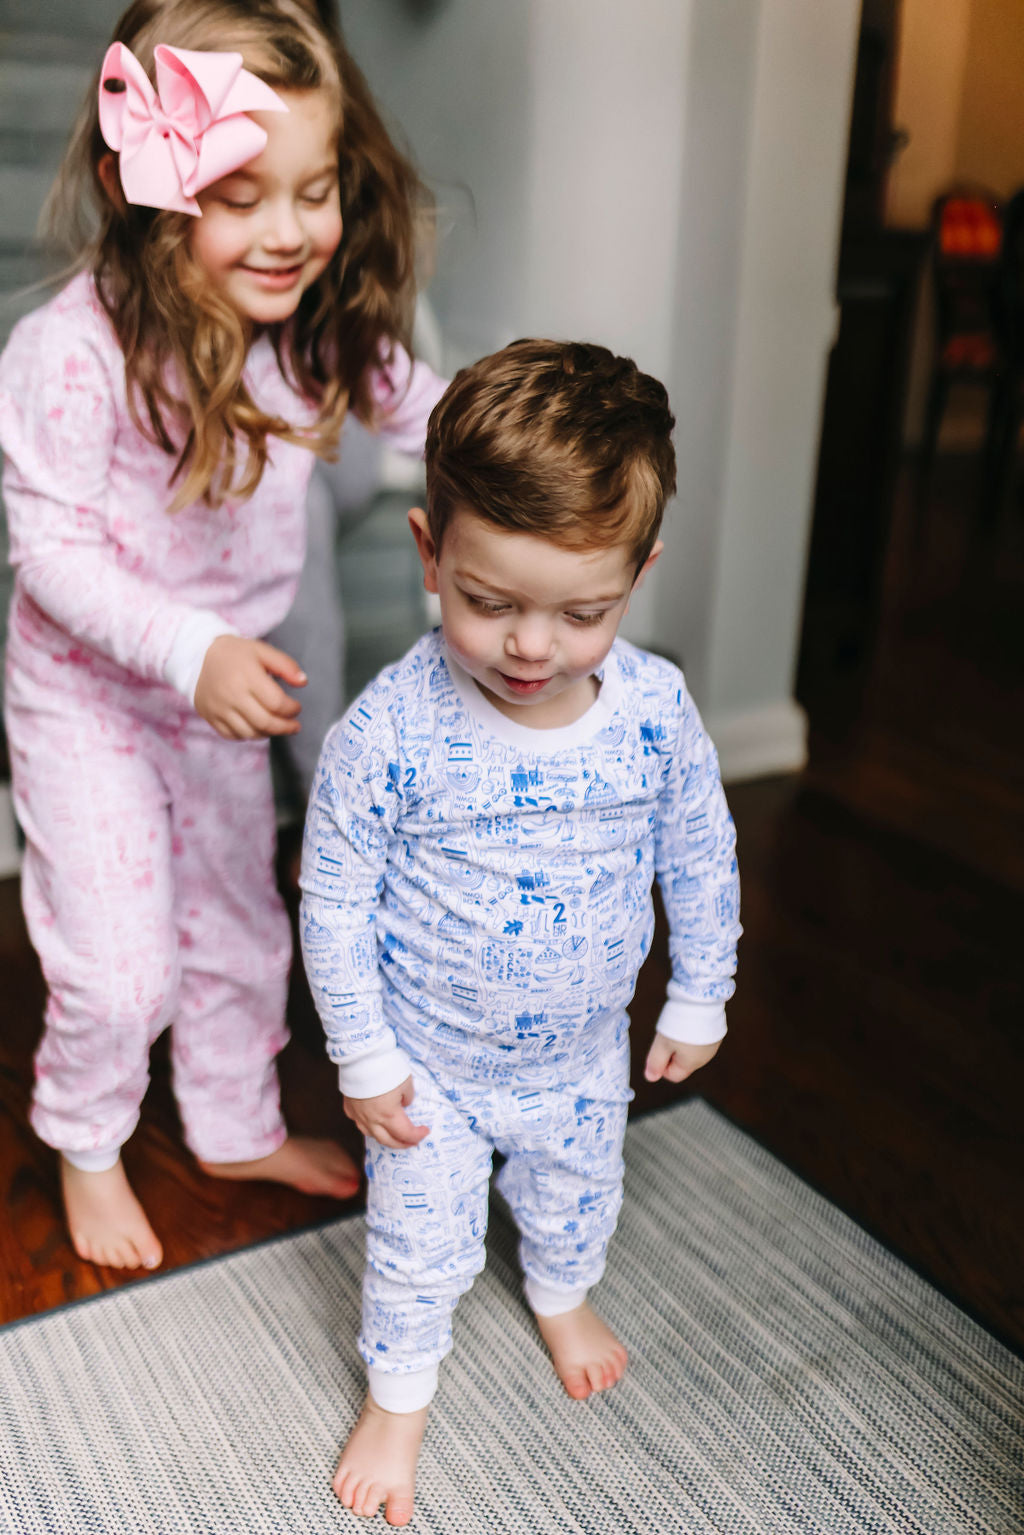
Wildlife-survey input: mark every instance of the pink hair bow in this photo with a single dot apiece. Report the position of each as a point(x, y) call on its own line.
point(190, 131)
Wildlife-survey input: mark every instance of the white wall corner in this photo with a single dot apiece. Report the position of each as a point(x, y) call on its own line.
point(760, 742)
point(10, 852)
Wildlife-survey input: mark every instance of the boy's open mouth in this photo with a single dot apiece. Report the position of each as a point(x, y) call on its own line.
point(519, 685)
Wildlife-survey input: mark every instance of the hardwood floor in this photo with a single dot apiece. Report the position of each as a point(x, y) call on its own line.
point(875, 1037)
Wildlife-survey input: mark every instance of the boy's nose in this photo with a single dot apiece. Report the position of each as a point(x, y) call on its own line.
point(530, 640)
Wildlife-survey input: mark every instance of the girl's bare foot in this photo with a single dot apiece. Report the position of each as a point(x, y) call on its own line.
point(586, 1354)
point(106, 1221)
point(378, 1465)
point(314, 1166)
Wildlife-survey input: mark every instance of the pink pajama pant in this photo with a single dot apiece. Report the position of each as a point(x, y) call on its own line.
point(149, 893)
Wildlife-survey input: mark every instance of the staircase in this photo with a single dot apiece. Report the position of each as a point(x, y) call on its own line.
point(48, 53)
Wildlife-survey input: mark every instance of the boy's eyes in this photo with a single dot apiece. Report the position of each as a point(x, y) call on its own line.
point(482, 605)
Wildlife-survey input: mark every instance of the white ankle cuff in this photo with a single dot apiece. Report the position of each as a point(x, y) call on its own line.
point(402, 1393)
point(93, 1161)
point(544, 1300)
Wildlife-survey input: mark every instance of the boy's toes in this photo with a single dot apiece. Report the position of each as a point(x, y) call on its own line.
point(608, 1371)
point(399, 1508)
point(364, 1498)
point(577, 1384)
point(344, 1487)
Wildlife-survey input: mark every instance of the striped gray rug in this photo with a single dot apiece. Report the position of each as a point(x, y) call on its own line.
point(787, 1374)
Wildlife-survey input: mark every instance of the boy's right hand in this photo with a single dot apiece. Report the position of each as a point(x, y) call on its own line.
point(384, 1117)
point(236, 692)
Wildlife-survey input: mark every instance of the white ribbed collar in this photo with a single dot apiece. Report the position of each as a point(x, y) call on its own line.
point(531, 738)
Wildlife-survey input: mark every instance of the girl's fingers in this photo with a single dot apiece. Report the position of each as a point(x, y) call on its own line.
point(273, 698)
point(263, 721)
point(280, 664)
point(238, 726)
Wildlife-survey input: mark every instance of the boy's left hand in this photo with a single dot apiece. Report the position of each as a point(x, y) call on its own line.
point(673, 1060)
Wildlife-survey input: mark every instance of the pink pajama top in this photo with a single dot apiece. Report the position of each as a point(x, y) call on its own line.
point(110, 588)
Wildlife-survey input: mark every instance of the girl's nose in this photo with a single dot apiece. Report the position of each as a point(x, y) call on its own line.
point(284, 231)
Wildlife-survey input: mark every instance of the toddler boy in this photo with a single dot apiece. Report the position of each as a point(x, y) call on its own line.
point(483, 834)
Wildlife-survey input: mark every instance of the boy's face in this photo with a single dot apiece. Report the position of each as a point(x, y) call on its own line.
point(530, 621)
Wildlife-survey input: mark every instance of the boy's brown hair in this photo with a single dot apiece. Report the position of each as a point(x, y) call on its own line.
point(556, 438)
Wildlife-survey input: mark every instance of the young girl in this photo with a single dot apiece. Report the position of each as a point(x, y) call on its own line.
point(249, 279)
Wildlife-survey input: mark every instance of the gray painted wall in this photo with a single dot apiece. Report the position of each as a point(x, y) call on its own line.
point(663, 176)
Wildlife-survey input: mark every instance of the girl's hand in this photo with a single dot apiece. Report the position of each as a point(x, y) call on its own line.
point(671, 1059)
point(236, 692)
point(384, 1117)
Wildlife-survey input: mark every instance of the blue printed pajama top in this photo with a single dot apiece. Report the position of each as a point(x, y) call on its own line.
point(477, 893)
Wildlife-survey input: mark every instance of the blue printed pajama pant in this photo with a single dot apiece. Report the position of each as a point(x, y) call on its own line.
point(427, 1208)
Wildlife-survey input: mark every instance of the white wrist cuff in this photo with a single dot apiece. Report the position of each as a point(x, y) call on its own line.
point(195, 635)
point(692, 1023)
point(402, 1393)
point(375, 1073)
point(100, 1161)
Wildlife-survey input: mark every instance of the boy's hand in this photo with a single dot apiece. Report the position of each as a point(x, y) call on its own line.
point(384, 1117)
point(671, 1059)
point(236, 692)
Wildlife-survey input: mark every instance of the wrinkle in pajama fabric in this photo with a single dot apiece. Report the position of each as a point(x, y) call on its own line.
point(427, 1205)
point(148, 878)
point(476, 908)
point(149, 895)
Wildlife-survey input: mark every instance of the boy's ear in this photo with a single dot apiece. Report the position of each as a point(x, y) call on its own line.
point(638, 579)
point(425, 547)
point(645, 567)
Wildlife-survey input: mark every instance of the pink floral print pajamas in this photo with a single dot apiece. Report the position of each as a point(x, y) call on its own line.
point(148, 880)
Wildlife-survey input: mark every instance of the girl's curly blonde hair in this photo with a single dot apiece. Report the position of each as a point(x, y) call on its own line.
point(184, 346)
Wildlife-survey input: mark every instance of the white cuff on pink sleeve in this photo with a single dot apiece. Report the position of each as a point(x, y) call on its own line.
point(195, 635)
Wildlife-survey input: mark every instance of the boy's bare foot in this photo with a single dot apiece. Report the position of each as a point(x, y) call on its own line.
point(106, 1221)
point(378, 1465)
point(314, 1166)
point(586, 1354)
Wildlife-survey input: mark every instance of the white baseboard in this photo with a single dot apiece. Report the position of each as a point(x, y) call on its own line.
point(10, 853)
point(758, 743)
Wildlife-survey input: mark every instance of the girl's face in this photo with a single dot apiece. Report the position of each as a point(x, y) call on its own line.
point(269, 229)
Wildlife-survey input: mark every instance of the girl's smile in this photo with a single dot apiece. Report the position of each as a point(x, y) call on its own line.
point(269, 229)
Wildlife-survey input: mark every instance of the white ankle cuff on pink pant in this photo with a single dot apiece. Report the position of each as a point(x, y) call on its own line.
point(402, 1393)
point(543, 1300)
point(93, 1161)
